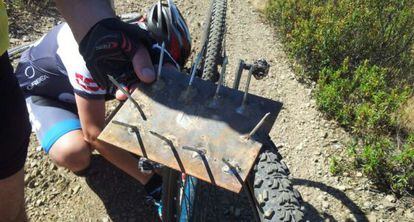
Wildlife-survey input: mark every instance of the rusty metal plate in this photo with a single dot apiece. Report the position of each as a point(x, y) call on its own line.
point(174, 120)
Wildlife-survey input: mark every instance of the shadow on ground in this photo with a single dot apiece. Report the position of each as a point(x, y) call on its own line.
point(123, 196)
point(313, 215)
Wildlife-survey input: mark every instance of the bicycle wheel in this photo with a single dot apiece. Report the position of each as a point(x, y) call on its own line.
point(214, 48)
point(269, 182)
point(268, 195)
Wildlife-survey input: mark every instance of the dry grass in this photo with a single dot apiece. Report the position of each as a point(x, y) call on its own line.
point(259, 5)
point(408, 114)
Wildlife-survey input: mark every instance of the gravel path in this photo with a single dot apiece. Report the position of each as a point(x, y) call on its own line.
point(304, 137)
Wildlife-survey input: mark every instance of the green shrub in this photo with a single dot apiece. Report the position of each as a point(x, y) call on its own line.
point(334, 166)
point(360, 52)
point(323, 33)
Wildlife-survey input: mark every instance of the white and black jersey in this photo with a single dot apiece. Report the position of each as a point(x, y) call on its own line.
point(54, 68)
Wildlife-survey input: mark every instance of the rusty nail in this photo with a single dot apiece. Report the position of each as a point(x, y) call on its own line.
point(193, 71)
point(131, 128)
point(229, 168)
point(246, 89)
point(161, 62)
point(117, 84)
point(200, 152)
point(242, 108)
point(222, 75)
point(257, 127)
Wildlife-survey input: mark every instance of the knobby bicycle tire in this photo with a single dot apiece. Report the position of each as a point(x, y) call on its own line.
point(213, 53)
point(276, 199)
point(271, 191)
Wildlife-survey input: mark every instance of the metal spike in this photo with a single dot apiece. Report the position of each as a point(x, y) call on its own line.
point(231, 168)
point(257, 127)
point(117, 84)
point(199, 152)
point(222, 76)
point(161, 62)
point(193, 71)
point(239, 73)
point(246, 90)
point(242, 108)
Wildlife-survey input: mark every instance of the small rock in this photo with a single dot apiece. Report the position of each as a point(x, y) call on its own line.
point(368, 205)
point(300, 146)
point(342, 188)
point(27, 178)
point(39, 202)
point(323, 197)
point(25, 38)
point(76, 189)
point(337, 146)
point(280, 145)
point(391, 198)
point(372, 217)
point(409, 214)
point(358, 174)
point(52, 167)
point(350, 218)
point(388, 206)
point(325, 205)
point(14, 40)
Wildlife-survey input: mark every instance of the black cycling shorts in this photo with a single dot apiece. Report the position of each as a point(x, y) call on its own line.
point(15, 126)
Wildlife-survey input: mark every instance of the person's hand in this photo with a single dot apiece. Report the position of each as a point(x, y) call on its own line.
point(119, 95)
point(114, 48)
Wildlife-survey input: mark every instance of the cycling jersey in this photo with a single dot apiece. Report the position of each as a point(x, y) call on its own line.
point(50, 73)
point(4, 38)
point(54, 68)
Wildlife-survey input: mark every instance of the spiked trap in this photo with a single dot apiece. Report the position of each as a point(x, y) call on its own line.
point(199, 130)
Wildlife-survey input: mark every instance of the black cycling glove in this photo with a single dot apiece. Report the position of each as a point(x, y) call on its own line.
point(109, 47)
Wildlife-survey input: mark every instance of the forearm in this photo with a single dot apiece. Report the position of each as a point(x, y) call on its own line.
point(81, 15)
point(121, 159)
point(92, 117)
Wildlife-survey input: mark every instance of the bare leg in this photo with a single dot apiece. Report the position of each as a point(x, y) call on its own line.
point(123, 160)
point(12, 198)
point(71, 151)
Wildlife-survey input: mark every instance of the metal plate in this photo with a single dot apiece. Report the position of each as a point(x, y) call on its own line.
point(178, 118)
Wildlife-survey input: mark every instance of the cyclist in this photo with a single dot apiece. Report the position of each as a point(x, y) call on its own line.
point(66, 101)
point(14, 133)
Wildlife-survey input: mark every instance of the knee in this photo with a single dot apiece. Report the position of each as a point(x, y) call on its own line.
point(74, 158)
point(74, 155)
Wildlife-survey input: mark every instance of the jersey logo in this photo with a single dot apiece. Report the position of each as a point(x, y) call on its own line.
point(87, 83)
point(29, 72)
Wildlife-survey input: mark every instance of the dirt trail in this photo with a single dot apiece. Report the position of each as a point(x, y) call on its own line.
point(304, 137)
